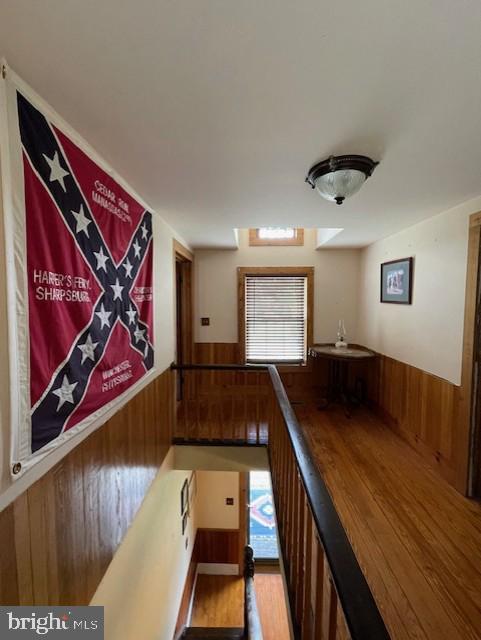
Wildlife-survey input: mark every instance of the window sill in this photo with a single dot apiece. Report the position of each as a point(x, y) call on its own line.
point(285, 367)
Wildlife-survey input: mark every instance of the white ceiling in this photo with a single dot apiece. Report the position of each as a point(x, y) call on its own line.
point(214, 110)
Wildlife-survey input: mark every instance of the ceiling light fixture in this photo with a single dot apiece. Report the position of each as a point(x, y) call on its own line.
point(340, 177)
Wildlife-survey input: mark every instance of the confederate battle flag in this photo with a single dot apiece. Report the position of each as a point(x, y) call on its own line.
point(88, 280)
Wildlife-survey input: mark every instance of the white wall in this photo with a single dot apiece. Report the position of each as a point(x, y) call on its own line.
point(427, 334)
point(142, 588)
point(335, 285)
point(213, 487)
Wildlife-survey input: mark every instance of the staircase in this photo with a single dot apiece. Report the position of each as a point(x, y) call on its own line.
point(213, 633)
point(252, 626)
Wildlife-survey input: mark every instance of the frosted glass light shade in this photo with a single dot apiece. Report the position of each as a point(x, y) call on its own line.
point(338, 185)
point(339, 177)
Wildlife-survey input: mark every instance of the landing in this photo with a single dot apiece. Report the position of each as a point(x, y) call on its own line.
point(417, 540)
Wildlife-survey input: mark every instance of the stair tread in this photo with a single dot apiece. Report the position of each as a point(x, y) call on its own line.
point(214, 633)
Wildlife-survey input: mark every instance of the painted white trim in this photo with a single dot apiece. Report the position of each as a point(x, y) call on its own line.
point(217, 569)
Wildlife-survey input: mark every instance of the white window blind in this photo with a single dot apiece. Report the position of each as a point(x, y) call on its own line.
point(276, 318)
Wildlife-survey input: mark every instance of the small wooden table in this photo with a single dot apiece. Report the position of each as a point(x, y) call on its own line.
point(338, 359)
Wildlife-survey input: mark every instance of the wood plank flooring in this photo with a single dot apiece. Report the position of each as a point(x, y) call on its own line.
point(271, 604)
point(417, 540)
point(218, 602)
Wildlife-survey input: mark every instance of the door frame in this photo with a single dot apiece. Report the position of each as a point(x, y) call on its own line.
point(267, 562)
point(468, 441)
point(184, 258)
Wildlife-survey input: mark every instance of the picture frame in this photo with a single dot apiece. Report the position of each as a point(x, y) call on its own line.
point(192, 488)
point(397, 281)
point(184, 522)
point(184, 497)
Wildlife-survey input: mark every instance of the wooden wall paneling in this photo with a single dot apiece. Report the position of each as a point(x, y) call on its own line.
point(303, 383)
point(217, 546)
point(420, 407)
point(58, 537)
point(216, 353)
point(9, 584)
point(23, 556)
point(44, 542)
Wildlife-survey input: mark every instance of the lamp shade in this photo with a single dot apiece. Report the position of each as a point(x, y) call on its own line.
point(338, 178)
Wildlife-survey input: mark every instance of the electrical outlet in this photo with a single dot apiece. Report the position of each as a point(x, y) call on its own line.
point(205, 322)
point(229, 501)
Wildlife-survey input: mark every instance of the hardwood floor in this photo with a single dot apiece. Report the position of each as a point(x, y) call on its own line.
point(218, 602)
point(271, 604)
point(417, 540)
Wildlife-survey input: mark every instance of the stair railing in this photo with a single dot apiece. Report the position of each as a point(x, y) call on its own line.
point(252, 623)
point(328, 592)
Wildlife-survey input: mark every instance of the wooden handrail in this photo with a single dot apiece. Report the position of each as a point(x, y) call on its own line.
point(252, 623)
point(360, 611)
point(220, 367)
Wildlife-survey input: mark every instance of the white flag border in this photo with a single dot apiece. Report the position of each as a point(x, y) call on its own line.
point(13, 200)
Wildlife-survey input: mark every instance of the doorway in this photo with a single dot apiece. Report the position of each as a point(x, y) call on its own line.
point(183, 263)
point(261, 525)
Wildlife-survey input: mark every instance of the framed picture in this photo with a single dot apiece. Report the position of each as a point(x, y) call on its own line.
point(184, 522)
point(397, 281)
point(184, 498)
point(192, 488)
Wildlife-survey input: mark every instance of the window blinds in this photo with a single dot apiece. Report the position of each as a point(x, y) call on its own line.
point(275, 321)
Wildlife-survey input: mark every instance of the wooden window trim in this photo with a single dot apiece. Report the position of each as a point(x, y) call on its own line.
point(242, 272)
point(255, 241)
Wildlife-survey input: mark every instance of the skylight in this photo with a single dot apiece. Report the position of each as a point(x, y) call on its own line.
point(276, 233)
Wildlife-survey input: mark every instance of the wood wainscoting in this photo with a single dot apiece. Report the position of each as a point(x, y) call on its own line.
point(58, 538)
point(217, 546)
point(422, 408)
point(298, 380)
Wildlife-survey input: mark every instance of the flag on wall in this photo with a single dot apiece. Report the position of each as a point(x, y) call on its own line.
point(82, 268)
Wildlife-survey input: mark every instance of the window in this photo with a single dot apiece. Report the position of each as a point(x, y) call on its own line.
point(276, 236)
point(275, 311)
point(262, 534)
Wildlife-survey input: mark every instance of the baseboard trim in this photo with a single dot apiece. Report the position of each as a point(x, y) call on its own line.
point(217, 569)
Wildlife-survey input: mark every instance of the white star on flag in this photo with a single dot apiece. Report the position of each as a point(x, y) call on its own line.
point(101, 259)
point(131, 313)
point(117, 289)
point(88, 349)
point(64, 393)
point(128, 268)
point(57, 173)
point(136, 247)
point(139, 334)
point(82, 221)
point(104, 316)
point(145, 231)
